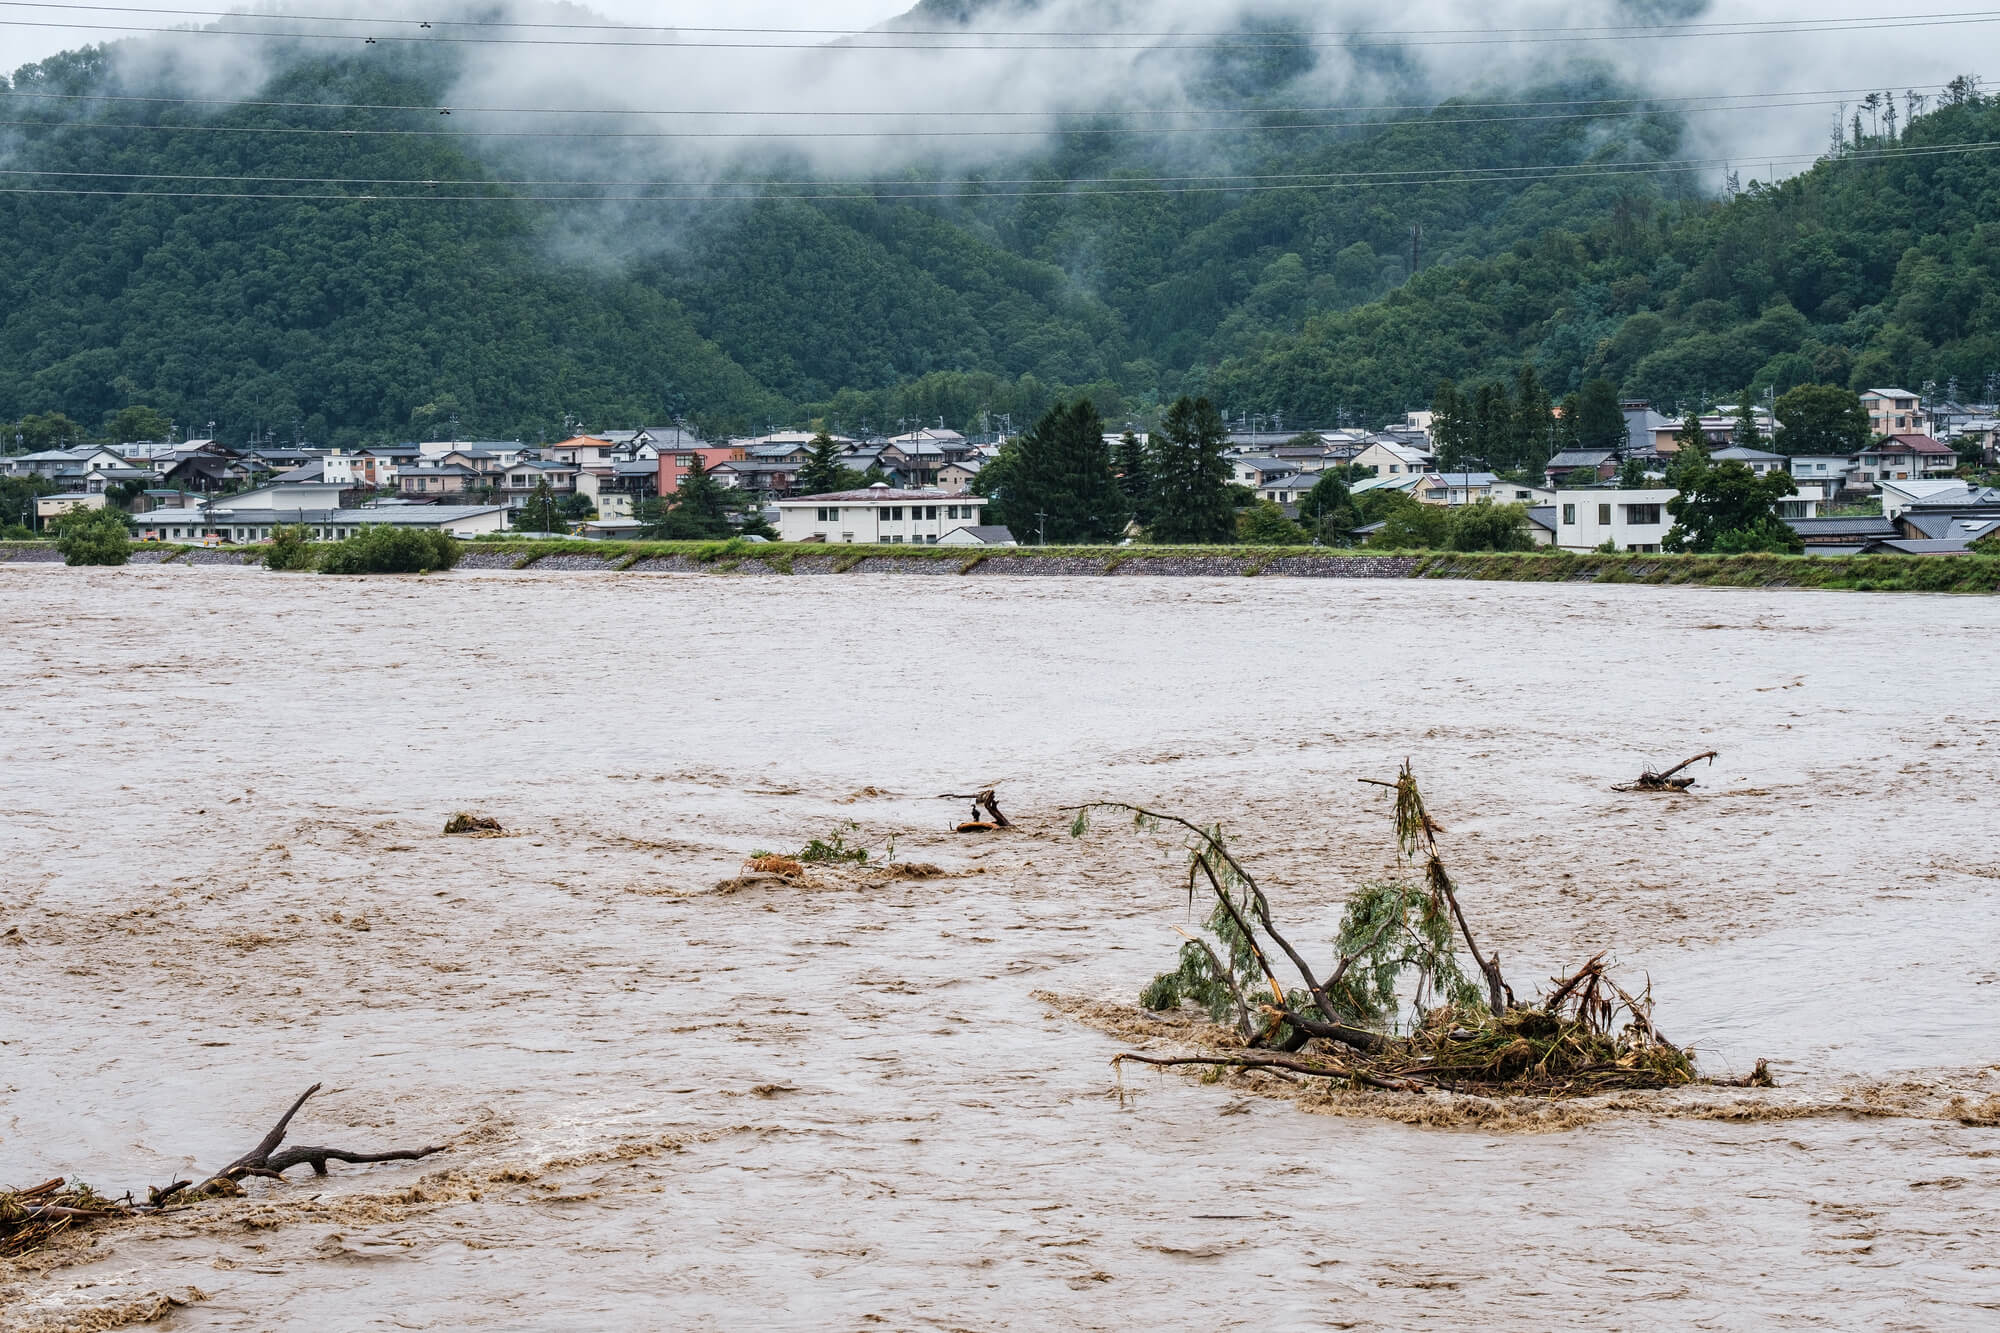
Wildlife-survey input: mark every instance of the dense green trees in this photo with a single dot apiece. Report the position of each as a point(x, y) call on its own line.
point(1055, 481)
point(1821, 419)
point(1727, 508)
point(93, 537)
point(1599, 422)
point(381, 548)
point(1190, 477)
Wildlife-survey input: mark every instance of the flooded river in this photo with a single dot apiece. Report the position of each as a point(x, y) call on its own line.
point(869, 1103)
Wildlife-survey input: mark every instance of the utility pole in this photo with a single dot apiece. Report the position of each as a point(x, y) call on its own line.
point(1043, 539)
point(1416, 248)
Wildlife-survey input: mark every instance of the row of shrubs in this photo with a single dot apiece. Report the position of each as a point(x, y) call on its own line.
point(377, 549)
point(104, 537)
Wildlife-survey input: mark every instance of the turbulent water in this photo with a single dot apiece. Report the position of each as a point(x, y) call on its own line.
point(845, 1106)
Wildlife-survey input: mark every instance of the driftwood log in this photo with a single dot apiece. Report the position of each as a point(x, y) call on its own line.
point(31, 1217)
point(1669, 781)
point(986, 816)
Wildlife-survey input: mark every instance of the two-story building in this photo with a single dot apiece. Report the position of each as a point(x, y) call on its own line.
point(1905, 457)
point(1394, 460)
point(1894, 412)
point(1630, 520)
point(880, 515)
point(518, 482)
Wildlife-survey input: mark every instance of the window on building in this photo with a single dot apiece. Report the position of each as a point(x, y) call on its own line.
point(1569, 514)
point(1604, 515)
point(1642, 513)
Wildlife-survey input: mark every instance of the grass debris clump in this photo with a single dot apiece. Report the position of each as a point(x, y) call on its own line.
point(467, 822)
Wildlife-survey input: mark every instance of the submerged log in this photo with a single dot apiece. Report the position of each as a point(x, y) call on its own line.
point(1668, 781)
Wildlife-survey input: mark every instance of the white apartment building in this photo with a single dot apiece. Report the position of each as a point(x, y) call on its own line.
point(1632, 520)
point(878, 516)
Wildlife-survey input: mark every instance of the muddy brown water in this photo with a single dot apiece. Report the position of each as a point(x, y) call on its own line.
point(844, 1107)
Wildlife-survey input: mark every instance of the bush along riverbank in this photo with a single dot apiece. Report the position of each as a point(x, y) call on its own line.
point(1877, 573)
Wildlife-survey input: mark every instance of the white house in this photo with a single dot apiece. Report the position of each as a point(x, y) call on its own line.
point(1900, 495)
point(1632, 520)
point(879, 515)
point(1393, 460)
point(978, 537)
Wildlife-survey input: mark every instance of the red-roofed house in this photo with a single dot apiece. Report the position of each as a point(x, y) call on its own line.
point(1906, 458)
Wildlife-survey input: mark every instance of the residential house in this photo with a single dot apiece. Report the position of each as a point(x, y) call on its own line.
point(978, 536)
point(1905, 457)
point(1635, 520)
point(583, 450)
point(1254, 471)
point(956, 477)
point(1841, 535)
point(1392, 459)
point(1900, 495)
point(1288, 489)
point(1822, 476)
point(1647, 433)
point(519, 482)
point(1407, 484)
point(1572, 465)
point(437, 481)
point(765, 480)
point(1759, 461)
point(1456, 488)
point(54, 506)
point(880, 515)
point(207, 473)
point(1542, 524)
point(487, 463)
point(1894, 412)
point(676, 464)
point(54, 463)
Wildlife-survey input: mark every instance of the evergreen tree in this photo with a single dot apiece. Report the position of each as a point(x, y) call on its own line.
point(1566, 418)
point(1451, 426)
point(822, 473)
point(1745, 434)
point(1327, 511)
point(1055, 480)
point(1600, 424)
point(541, 512)
point(1534, 422)
point(1492, 424)
point(1190, 476)
point(701, 506)
point(1133, 483)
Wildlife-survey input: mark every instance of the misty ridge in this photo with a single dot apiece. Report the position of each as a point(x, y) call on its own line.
point(961, 87)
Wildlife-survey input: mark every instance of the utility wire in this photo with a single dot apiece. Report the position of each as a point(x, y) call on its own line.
point(434, 24)
point(835, 112)
point(1089, 131)
point(877, 41)
point(966, 190)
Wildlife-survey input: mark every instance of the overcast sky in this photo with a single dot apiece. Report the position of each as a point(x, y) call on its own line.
point(20, 45)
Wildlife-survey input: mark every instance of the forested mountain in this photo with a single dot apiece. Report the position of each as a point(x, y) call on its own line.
point(1878, 268)
point(350, 310)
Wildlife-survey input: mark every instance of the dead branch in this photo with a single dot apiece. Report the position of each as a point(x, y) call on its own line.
point(1667, 781)
point(1263, 1060)
point(985, 801)
point(31, 1217)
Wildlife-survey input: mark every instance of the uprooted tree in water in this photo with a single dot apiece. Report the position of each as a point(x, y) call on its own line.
point(1399, 945)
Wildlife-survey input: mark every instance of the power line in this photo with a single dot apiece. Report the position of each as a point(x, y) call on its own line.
point(956, 187)
point(959, 192)
point(874, 40)
point(1121, 131)
point(821, 113)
